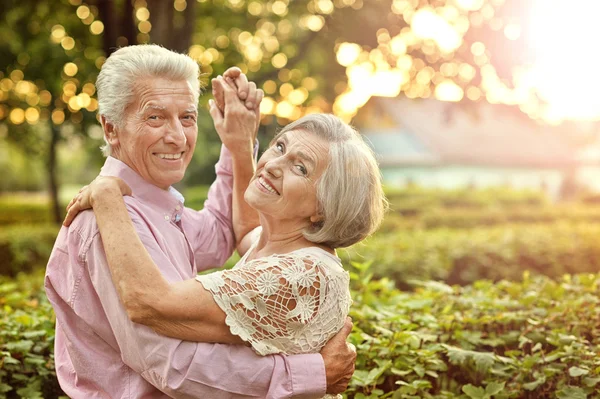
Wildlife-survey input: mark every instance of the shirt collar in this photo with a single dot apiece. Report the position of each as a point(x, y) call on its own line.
point(169, 202)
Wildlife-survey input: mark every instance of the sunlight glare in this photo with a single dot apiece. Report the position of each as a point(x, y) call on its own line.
point(565, 73)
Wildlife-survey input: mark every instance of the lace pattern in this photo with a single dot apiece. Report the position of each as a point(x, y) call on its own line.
point(292, 303)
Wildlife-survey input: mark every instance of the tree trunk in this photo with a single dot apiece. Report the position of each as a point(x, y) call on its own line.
point(128, 24)
point(161, 18)
point(182, 39)
point(52, 179)
point(106, 10)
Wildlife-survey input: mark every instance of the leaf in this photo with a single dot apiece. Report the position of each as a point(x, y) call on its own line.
point(22, 346)
point(483, 361)
point(570, 392)
point(494, 387)
point(34, 334)
point(457, 355)
point(5, 388)
point(531, 386)
point(577, 372)
point(474, 392)
point(591, 382)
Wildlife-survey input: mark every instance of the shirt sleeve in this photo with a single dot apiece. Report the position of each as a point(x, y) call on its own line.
point(281, 304)
point(191, 370)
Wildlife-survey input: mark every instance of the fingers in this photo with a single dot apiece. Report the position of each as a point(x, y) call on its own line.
point(218, 93)
point(72, 211)
point(347, 328)
point(251, 99)
point(215, 113)
point(232, 73)
point(258, 99)
point(243, 88)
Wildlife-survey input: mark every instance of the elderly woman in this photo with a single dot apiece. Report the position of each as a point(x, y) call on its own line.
point(316, 188)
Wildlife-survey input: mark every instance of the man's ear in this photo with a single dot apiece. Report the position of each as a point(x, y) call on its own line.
point(110, 132)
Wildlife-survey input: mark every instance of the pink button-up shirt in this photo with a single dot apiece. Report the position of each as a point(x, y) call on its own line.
point(100, 353)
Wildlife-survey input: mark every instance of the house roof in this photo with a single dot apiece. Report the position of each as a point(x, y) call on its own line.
point(425, 133)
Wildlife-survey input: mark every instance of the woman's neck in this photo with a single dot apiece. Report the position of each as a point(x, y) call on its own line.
point(280, 237)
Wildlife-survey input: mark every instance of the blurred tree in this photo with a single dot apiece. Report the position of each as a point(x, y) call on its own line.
point(307, 55)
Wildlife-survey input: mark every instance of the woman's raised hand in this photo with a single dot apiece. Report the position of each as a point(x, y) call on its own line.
point(84, 199)
point(247, 91)
point(236, 124)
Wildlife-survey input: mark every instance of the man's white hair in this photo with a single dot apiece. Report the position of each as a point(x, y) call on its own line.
point(126, 66)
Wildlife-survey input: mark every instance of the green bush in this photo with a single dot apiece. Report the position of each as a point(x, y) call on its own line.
point(415, 200)
point(534, 339)
point(462, 256)
point(468, 218)
point(195, 196)
point(472, 217)
point(13, 211)
point(23, 248)
point(26, 339)
point(537, 338)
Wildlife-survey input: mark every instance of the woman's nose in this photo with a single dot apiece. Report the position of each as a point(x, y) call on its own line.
point(273, 168)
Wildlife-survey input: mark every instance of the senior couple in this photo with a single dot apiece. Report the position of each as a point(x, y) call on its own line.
point(133, 318)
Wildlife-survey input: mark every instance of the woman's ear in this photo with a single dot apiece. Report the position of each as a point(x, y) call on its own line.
point(316, 219)
point(110, 132)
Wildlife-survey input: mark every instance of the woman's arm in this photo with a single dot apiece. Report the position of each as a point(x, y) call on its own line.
point(184, 310)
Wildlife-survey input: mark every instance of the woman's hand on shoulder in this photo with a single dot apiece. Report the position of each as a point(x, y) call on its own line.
point(102, 185)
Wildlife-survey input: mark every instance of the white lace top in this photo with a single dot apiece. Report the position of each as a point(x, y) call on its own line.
point(291, 303)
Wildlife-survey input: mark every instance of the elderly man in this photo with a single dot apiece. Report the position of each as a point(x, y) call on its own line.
point(148, 100)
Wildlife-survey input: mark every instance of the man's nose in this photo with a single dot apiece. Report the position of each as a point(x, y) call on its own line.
point(176, 134)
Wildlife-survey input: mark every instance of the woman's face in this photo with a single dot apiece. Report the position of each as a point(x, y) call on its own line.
point(284, 185)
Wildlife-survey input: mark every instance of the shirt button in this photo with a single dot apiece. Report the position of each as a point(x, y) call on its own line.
point(177, 208)
point(167, 217)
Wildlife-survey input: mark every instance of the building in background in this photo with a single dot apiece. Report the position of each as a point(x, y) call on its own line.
point(436, 144)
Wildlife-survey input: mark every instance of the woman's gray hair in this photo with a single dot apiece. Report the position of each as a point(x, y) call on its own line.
point(349, 192)
point(126, 66)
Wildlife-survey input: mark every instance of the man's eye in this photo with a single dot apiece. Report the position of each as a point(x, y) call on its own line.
point(279, 146)
point(190, 117)
point(153, 117)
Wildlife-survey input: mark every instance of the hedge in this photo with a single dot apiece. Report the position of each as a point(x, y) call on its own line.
point(415, 200)
point(26, 339)
point(18, 212)
point(23, 247)
point(462, 256)
point(537, 338)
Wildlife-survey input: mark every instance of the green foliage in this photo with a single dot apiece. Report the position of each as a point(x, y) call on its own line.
point(15, 209)
point(537, 338)
point(26, 339)
point(462, 256)
point(195, 196)
point(468, 217)
point(416, 200)
point(534, 339)
point(23, 247)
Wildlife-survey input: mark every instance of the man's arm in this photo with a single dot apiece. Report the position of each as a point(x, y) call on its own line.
point(186, 369)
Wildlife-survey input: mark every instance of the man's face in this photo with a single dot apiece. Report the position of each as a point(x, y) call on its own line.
point(159, 131)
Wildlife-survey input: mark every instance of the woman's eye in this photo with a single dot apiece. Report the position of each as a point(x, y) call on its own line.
point(279, 147)
point(302, 169)
point(153, 117)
